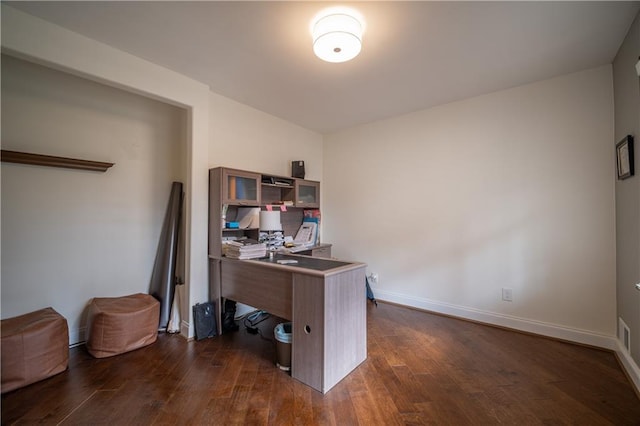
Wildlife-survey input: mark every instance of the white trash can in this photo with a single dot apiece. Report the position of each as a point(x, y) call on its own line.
point(283, 335)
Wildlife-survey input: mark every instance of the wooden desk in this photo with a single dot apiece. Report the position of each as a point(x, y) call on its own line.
point(325, 302)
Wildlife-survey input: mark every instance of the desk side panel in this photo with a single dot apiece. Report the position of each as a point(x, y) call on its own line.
point(345, 310)
point(258, 286)
point(307, 358)
point(214, 290)
point(215, 213)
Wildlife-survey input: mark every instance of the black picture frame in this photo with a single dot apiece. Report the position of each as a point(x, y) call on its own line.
point(624, 158)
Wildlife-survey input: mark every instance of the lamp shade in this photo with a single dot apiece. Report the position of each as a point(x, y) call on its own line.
point(337, 36)
point(270, 221)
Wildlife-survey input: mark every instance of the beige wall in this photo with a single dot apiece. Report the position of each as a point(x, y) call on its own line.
point(248, 139)
point(512, 189)
point(71, 227)
point(627, 121)
point(42, 42)
point(67, 235)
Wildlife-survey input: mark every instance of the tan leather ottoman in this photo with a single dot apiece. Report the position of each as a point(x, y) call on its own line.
point(34, 346)
point(116, 325)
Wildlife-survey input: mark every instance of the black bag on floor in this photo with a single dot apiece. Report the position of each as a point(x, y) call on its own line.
point(228, 318)
point(204, 319)
point(370, 295)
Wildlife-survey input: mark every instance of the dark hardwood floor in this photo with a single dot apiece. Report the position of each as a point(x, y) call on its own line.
point(422, 369)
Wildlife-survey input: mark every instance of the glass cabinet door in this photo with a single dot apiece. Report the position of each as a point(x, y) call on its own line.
point(307, 193)
point(240, 188)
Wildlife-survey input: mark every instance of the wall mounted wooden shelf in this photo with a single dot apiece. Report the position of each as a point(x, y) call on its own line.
point(53, 161)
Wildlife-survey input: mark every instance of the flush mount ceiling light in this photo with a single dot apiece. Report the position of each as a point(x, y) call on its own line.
point(337, 34)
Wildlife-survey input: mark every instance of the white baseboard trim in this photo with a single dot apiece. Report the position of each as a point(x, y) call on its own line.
point(184, 329)
point(77, 336)
point(522, 324)
point(629, 365)
point(530, 326)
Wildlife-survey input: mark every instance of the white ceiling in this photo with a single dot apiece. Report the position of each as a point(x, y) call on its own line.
point(415, 54)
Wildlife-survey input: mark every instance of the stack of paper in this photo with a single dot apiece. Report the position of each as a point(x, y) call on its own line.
point(244, 249)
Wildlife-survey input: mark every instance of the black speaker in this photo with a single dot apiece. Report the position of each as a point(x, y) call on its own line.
point(297, 169)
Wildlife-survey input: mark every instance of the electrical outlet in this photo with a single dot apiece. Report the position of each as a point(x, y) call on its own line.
point(373, 278)
point(507, 294)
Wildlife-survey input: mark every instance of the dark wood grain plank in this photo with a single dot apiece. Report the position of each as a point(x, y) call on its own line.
point(421, 369)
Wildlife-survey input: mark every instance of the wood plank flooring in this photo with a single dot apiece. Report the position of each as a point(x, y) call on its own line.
point(422, 369)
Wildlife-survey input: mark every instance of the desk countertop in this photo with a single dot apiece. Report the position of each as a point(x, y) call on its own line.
point(306, 262)
point(303, 264)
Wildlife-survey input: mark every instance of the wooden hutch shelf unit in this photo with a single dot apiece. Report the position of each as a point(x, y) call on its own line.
point(240, 188)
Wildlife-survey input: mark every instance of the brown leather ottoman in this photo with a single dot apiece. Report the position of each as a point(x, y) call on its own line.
point(34, 346)
point(116, 325)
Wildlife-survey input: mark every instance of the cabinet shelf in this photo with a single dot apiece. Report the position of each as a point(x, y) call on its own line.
point(53, 161)
point(275, 185)
point(287, 206)
point(279, 181)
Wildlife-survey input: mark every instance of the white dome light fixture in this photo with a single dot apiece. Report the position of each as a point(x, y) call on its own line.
point(337, 34)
